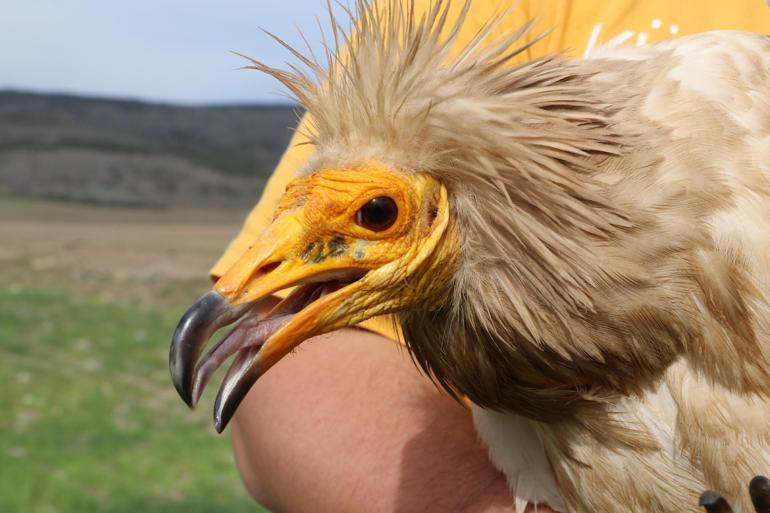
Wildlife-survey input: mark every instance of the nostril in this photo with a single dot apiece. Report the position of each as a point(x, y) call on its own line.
point(265, 269)
point(256, 275)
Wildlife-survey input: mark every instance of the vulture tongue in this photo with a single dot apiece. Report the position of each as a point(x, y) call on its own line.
point(250, 332)
point(248, 336)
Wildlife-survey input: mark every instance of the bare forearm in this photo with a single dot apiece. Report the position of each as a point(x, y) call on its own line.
point(349, 424)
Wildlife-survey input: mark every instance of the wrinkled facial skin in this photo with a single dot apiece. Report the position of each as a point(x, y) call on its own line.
point(315, 221)
point(359, 242)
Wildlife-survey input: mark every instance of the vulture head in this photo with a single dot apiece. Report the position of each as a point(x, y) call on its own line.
point(457, 190)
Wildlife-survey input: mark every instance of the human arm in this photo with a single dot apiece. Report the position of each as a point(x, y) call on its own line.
point(349, 424)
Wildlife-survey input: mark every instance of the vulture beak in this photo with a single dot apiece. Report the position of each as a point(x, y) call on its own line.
point(338, 281)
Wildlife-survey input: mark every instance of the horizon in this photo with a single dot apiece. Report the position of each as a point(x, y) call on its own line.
point(264, 102)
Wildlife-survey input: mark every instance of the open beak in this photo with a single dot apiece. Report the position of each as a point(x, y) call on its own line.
point(324, 275)
point(338, 281)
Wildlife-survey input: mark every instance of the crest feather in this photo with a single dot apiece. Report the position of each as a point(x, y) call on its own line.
point(517, 145)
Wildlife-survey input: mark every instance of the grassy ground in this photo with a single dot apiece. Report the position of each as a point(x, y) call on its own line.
point(90, 420)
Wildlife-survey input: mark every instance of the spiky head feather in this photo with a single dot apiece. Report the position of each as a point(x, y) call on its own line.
point(554, 305)
point(517, 146)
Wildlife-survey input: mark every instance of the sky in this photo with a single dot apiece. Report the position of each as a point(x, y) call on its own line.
point(162, 50)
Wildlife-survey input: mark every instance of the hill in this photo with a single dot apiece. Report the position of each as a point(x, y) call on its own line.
point(135, 153)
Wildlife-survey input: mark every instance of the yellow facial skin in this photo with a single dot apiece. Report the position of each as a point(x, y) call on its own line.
point(315, 237)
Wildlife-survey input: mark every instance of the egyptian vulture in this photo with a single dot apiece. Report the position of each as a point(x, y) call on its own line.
point(578, 247)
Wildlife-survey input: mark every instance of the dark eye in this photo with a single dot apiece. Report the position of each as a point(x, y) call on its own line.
point(378, 214)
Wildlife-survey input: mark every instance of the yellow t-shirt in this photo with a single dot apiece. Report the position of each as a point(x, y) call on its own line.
point(577, 27)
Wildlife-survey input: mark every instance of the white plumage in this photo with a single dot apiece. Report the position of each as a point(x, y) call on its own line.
point(712, 433)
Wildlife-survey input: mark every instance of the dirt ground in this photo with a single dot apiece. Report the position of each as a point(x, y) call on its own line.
point(89, 298)
point(118, 253)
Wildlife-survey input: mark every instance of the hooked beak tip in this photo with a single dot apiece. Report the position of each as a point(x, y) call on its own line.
point(210, 312)
point(221, 419)
point(244, 372)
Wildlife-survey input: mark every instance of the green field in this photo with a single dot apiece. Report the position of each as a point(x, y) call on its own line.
point(90, 420)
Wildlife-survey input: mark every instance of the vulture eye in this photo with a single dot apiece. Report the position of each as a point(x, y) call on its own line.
point(378, 214)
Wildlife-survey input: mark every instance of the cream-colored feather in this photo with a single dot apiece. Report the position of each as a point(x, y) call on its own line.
point(612, 290)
